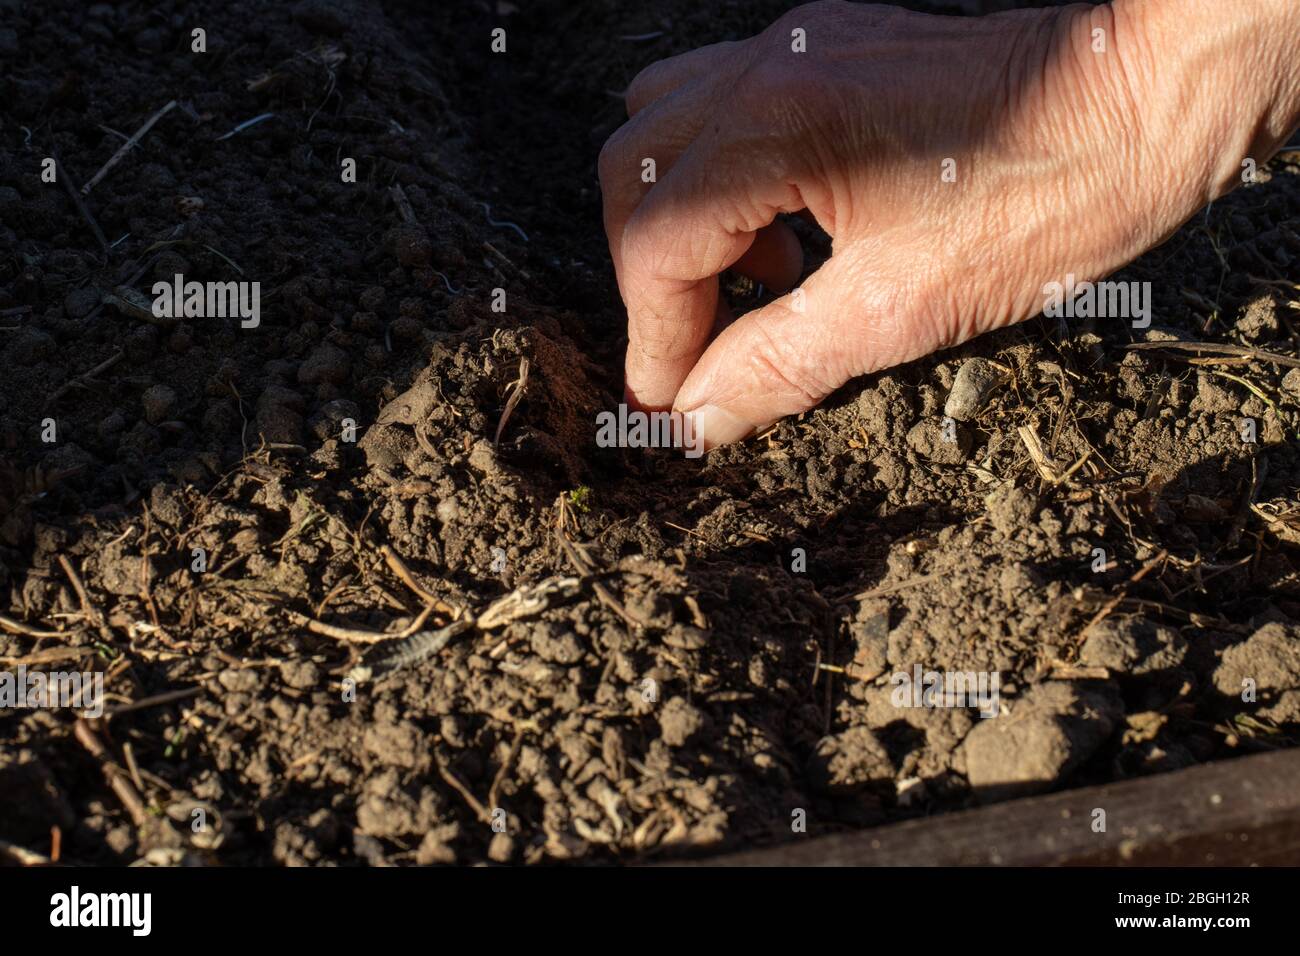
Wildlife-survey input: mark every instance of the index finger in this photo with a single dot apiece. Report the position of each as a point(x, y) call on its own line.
point(699, 220)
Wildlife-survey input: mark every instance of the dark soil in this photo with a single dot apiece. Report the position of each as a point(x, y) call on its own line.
point(682, 709)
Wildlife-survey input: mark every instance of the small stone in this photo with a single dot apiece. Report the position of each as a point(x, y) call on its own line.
point(975, 381)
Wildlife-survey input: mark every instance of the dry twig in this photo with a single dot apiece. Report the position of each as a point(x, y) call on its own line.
point(1219, 348)
point(581, 563)
point(84, 377)
point(23, 856)
point(1114, 602)
point(66, 179)
point(117, 778)
point(126, 147)
point(18, 627)
point(516, 389)
point(398, 567)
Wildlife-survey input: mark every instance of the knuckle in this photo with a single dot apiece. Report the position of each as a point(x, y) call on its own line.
point(807, 15)
point(618, 166)
point(611, 162)
point(767, 76)
point(644, 247)
point(780, 366)
point(664, 339)
point(902, 321)
point(827, 8)
point(763, 98)
point(782, 94)
point(666, 342)
point(643, 86)
point(663, 76)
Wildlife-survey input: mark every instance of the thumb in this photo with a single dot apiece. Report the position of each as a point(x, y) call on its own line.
point(788, 356)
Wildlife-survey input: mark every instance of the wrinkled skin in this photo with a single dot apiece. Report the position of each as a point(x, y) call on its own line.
point(1058, 161)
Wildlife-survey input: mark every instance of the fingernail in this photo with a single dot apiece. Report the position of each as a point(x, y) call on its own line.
point(713, 425)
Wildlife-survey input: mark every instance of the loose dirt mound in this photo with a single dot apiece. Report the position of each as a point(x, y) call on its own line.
point(725, 662)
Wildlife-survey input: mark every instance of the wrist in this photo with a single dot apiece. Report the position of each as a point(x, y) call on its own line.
point(1213, 85)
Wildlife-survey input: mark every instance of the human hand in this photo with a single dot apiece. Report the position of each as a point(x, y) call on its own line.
point(959, 165)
